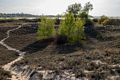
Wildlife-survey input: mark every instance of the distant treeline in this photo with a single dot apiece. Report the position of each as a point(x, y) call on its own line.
point(4, 15)
point(11, 15)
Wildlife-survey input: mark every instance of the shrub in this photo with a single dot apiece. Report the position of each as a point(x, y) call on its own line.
point(106, 22)
point(46, 28)
point(72, 29)
point(102, 19)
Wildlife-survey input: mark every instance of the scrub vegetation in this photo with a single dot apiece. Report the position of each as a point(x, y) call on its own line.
point(72, 27)
point(83, 47)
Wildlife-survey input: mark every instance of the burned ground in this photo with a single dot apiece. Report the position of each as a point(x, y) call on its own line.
point(101, 58)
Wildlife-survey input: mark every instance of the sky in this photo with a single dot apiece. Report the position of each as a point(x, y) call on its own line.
point(54, 7)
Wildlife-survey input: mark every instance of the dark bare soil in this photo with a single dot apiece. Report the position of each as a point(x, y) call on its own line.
point(4, 74)
point(98, 57)
point(6, 55)
point(23, 37)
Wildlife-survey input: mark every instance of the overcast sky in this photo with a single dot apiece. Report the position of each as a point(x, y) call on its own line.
point(101, 7)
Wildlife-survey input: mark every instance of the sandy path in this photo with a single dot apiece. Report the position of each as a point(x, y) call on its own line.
point(6, 67)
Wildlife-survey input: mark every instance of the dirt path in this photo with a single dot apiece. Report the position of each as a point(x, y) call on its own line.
point(7, 67)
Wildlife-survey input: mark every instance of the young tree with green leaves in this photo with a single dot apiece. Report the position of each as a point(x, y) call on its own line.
point(79, 30)
point(46, 28)
point(75, 9)
point(67, 25)
point(78, 10)
point(88, 6)
point(81, 12)
point(72, 29)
